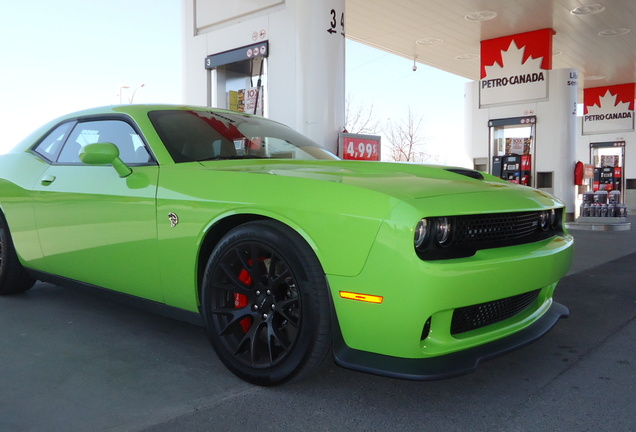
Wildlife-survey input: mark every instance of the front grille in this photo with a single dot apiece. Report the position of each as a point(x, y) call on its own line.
point(495, 227)
point(477, 316)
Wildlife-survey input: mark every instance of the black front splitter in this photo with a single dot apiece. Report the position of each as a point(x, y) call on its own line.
point(445, 366)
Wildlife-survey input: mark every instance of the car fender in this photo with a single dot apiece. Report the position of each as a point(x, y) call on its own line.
point(340, 240)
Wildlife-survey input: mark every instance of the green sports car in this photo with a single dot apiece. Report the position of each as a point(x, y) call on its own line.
point(290, 256)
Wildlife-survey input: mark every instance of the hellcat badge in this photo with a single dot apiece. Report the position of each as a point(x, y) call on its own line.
point(174, 219)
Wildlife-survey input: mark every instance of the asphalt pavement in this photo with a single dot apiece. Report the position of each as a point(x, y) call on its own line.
point(85, 360)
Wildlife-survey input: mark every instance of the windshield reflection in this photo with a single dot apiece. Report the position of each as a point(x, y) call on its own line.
point(191, 135)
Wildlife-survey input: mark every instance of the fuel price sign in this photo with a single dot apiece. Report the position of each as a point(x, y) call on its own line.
point(359, 147)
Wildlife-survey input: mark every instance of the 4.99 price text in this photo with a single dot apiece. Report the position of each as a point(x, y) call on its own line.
point(360, 150)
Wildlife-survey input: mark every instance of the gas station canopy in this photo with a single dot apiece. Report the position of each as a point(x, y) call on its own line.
point(596, 39)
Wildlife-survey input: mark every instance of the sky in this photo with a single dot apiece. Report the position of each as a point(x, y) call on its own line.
point(61, 56)
point(389, 84)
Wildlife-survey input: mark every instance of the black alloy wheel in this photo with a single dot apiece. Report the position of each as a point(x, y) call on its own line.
point(265, 304)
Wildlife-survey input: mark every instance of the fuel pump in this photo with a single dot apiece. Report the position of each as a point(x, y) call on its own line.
point(512, 148)
point(232, 74)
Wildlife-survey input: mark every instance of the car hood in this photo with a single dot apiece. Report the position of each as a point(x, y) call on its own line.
point(401, 180)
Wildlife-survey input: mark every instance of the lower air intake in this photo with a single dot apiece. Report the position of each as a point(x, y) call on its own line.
point(477, 316)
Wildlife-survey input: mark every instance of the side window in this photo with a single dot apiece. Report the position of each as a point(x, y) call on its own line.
point(50, 146)
point(120, 133)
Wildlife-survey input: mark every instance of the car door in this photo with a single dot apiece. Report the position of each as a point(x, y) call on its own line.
point(94, 226)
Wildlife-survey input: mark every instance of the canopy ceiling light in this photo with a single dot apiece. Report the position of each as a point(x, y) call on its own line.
point(481, 15)
point(614, 32)
point(466, 56)
point(429, 41)
point(590, 9)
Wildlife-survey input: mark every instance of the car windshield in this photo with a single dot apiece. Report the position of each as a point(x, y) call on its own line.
point(191, 136)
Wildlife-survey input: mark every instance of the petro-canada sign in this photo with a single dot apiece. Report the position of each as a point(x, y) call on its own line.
point(609, 109)
point(515, 68)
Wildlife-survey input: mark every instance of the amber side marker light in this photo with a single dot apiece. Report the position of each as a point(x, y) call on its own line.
point(361, 297)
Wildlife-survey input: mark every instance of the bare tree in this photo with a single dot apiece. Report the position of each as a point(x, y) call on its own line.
point(360, 119)
point(405, 136)
point(406, 140)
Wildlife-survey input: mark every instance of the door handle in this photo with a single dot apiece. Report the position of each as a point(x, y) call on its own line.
point(47, 180)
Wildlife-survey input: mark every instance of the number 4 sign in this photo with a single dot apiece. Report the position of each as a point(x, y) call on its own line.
point(359, 147)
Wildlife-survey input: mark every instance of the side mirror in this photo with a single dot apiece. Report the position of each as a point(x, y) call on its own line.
point(104, 154)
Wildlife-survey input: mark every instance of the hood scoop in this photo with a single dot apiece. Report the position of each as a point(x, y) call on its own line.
point(467, 172)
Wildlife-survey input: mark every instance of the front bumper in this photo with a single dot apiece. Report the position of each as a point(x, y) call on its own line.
point(445, 366)
point(417, 316)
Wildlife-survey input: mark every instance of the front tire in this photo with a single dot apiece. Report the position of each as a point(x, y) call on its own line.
point(13, 278)
point(265, 304)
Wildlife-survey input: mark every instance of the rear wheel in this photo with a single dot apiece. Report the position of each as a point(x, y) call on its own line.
point(13, 278)
point(265, 304)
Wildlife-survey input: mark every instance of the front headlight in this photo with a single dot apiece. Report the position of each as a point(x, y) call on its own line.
point(444, 231)
point(549, 219)
point(421, 233)
point(433, 232)
point(554, 220)
point(544, 220)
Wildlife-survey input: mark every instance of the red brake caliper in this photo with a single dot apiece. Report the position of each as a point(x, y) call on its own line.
point(240, 300)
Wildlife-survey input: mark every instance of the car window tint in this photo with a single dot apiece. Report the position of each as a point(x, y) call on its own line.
point(188, 137)
point(50, 146)
point(120, 133)
point(207, 135)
